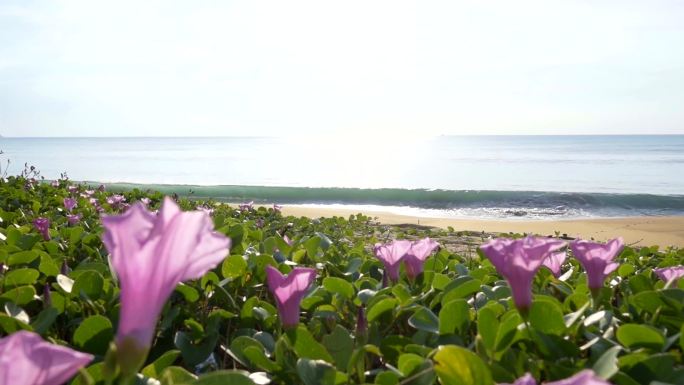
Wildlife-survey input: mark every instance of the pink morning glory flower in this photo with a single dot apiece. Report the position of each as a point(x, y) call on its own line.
point(145, 200)
point(597, 259)
point(72, 188)
point(247, 206)
point(26, 359)
point(116, 201)
point(54, 183)
point(69, 204)
point(527, 379)
point(151, 254)
point(554, 262)
point(417, 255)
point(277, 207)
point(585, 377)
point(391, 254)
point(289, 291)
point(518, 260)
point(668, 273)
point(73, 219)
point(43, 227)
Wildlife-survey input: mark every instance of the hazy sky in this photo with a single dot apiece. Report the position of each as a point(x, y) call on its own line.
point(104, 68)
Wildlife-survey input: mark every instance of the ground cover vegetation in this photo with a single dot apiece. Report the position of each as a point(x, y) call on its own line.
point(135, 287)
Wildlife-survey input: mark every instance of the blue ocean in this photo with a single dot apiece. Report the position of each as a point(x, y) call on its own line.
point(450, 176)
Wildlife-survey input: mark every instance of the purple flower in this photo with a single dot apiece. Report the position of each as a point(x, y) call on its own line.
point(554, 262)
point(597, 259)
point(93, 201)
point(391, 255)
point(89, 193)
point(26, 359)
point(69, 204)
point(416, 256)
point(289, 291)
point(145, 200)
point(527, 379)
point(669, 273)
point(288, 240)
point(518, 260)
point(585, 377)
point(259, 223)
point(277, 207)
point(247, 206)
point(151, 254)
point(54, 183)
point(72, 188)
point(101, 188)
point(116, 201)
point(42, 225)
point(73, 219)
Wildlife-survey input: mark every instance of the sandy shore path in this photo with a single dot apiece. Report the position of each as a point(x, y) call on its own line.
point(640, 231)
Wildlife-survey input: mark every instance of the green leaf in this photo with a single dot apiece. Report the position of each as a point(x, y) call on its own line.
point(315, 372)
point(487, 327)
point(44, 320)
point(239, 344)
point(176, 375)
point(234, 267)
point(457, 365)
point(547, 317)
point(189, 293)
point(94, 334)
point(223, 377)
point(306, 346)
point(454, 317)
point(465, 289)
point(381, 307)
point(47, 266)
point(408, 363)
point(20, 277)
point(424, 319)
point(311, 247)
point(339, 286)
point(22, 257)
point(340, 345)
point(20, 295)
point(89, 283)
point(635, 336)
point(156, 368)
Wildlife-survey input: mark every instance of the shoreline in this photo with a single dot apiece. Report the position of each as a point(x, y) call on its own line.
point(637, 231)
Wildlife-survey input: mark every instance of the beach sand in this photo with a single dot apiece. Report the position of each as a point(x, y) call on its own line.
point(637, 231)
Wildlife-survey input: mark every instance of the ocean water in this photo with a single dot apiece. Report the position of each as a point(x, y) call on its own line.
point(461, 176)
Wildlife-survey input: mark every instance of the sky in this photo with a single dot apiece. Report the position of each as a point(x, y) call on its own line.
point(371, 67)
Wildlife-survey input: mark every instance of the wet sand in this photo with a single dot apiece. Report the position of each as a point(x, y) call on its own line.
point(637, 231)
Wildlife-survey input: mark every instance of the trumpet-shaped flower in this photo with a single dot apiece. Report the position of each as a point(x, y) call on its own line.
point(597, 259)
point(391, 254)
point(554, 262)
point(73, 219)
point(247, 206)
point(585, 377)
point(69, 204)
point(527, 379)
point(277, 207)
point(151, 254)
point(668, 273)
point(416, 256)
point(116, 201)
point(26, 359)
point(43, 227)
point(289, 291)
point(518, 260)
